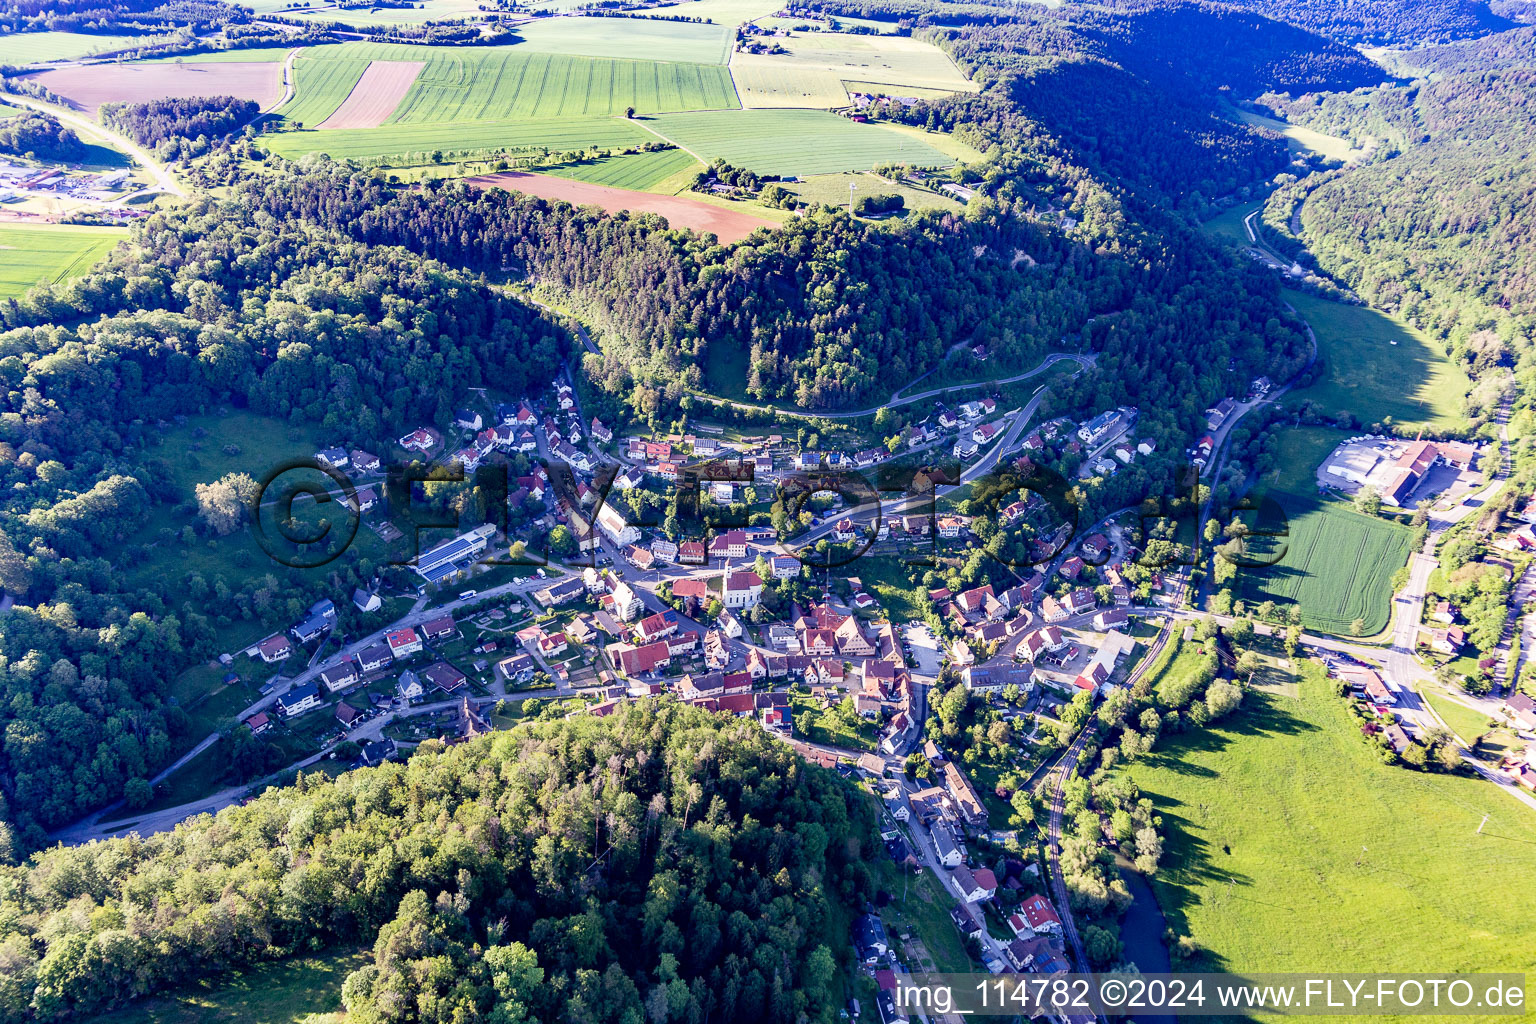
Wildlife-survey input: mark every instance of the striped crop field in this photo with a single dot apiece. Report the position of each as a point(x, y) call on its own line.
point(626, 38)
point(403, 142)
point(320, 85)
point(794, 141)
point(638, 171)
point(33, 253)
point(493, 83)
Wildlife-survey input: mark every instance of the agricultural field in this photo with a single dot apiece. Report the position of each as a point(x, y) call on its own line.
point(417, 142)
point(793, 141)
point(366, 16)
point(320, 85)
point(641, 172)
point(820, 63)
point(502, 82)
point(1264, 872)
point(1378, 367)
point(33, 253)
point(832, 189)
point(35, 47)
point(627, 38)
point(730, 225)
point(375, 96)
point(1337, 563)
point(726, 12)
point(87, 87)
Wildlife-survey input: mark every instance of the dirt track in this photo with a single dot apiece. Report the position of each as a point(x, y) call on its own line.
point(728, 225)
point(376, 95)
point(87, 87)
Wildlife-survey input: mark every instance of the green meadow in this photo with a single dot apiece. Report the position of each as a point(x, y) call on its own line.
point(1291, 847)
point(34, 253)
point(1379, 368)
point(466, 138)
point(795, 142)
point(638, 171)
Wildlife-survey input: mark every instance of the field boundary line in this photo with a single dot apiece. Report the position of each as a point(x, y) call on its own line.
point(663, 138)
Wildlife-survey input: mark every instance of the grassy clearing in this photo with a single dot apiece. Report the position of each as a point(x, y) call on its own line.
point(1229, 225)
point(885, 577)
point(793, 141)
point(1337, 564)
point(639, 171)
point(34, 253)
point(36, 47)
point(832, 189)
point(1379, 368)
point(1266, 872)
point(320, 85)
point(1299, 139)
point(626, 38)
point(407, 141)
point(303, 990)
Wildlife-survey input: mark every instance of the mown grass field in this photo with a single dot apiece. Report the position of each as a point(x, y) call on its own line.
point(628, 38)
point(420, 141)
point(639, 171)
point(793, 141)
point(818, 63)
point(468, 83)
point(1291, 847)
point(832, 189)
point(1378, 367)
point(320, 84)
point(302, 990)
point(33, 47)
point(32, 253)
point(1337, 563)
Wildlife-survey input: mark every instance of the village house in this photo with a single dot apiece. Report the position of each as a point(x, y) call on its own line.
point(339, 676)
point(403, 643)
point(298, 700)
point(274, 648)
point(973, 886)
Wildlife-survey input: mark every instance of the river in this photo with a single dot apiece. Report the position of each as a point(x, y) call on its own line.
point(1142, 930)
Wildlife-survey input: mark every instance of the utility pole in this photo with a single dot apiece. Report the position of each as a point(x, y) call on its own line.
point(851, 187)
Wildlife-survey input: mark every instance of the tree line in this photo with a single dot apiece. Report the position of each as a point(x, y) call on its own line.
point(662, 864)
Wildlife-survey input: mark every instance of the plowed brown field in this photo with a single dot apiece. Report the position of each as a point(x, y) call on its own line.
point(728, 225)
point(376, 94)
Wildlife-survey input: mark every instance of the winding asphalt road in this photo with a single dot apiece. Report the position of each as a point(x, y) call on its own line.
point(164, 180)
point(895, 402)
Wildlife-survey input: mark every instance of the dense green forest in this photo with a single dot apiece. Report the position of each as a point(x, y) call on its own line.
point(180, 127)
point(39, 136)
point(663, 864)
point(213, 306)
point(1440, 227)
